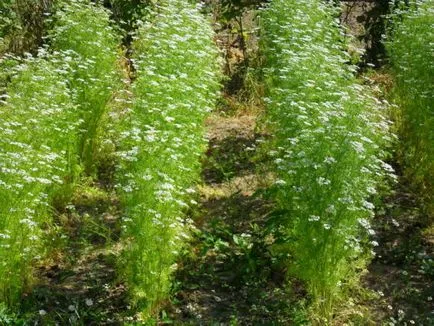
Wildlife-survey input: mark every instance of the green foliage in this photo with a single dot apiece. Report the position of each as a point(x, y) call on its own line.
point(234, 8)
point(7, 17)
point(128, 12)
point(7, 64)
point(22, 24)
point(84, 30)
point(176, 85)
point(328, 134)
point(38, 132)
point(411, 49)
point(51, 108)
point(6, 317)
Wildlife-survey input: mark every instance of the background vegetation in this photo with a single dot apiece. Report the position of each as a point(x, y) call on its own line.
point(410, 48)
point(135, 189)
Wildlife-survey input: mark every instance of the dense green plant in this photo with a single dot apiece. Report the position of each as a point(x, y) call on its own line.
point(328, 132)
point(411, 49)
point(22, 24)
point(38, 128)
point(176, 84)
point(128, 12)
point(7, 16)
point(84, 29)
point(48, 118)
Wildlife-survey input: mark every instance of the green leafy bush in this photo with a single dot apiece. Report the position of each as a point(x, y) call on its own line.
point(411, 50)
point(176, 85)
point(327, 148)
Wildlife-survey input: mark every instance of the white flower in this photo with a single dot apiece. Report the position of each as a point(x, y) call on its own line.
point(329, 160)
point(368, 205)
point(323, 181)
point(313, 218)
point(358, 147)
point(387, 167)
point(331, 209)
point(89, 302)
point(395, 222)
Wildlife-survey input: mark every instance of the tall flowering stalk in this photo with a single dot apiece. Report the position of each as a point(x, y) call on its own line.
point(329, 132)
point(177, 72)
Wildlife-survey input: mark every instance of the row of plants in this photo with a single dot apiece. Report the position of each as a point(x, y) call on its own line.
point(329, 134)
point(176, 82)
point(410, 47)
point(50, 113)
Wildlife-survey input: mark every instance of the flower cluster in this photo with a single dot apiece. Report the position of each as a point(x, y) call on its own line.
point(329, 132)
point(177, 81)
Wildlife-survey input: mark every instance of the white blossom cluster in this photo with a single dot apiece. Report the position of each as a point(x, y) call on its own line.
point(177, 81)
point(329, 136)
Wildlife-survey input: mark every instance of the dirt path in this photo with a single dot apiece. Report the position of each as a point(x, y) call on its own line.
point(227, 277)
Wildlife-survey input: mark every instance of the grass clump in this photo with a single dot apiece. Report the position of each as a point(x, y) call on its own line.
point(329, 132)
point(410, 47)
point(49, 111)
point(176, 85)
